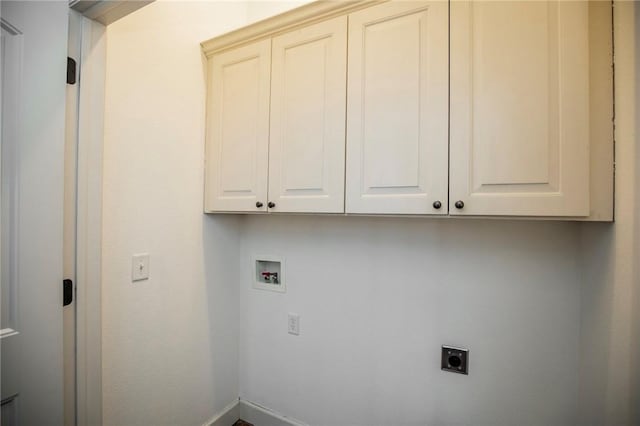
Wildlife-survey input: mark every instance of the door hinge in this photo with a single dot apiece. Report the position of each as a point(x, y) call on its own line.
point(71, 71)
point(67, 292)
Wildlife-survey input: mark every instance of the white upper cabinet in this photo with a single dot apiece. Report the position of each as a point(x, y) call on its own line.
point(397, 109)
point(519, 108)
point(238, 129)
point(307, 136)
point(477, 108)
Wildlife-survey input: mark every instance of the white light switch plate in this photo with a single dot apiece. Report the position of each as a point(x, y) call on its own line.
point(140, 267)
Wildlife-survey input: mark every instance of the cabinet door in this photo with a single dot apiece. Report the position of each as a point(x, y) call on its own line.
point(308, 90)
point(397, 109)
point(238, 129)
point(520, 108)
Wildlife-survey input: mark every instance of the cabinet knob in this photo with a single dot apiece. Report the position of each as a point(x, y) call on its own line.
point(459, 204)
point(259, 204)
point(437, 205)
point(271, 204)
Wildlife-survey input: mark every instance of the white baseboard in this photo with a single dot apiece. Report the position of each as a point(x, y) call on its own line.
point(262, 416)
point(227, 417)
point(253, 413)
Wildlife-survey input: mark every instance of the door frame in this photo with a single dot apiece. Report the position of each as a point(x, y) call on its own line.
point(91, 67)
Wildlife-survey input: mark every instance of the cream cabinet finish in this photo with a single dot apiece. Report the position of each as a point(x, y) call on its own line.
point(238, 129)
point(397, 109)
point(307, 137)
point(520, 108)
point(503, 106)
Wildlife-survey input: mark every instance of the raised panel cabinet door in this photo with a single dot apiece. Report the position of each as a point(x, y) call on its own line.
point(308, 90)
point(238, 129)
point(519, 108)
point(397, 109)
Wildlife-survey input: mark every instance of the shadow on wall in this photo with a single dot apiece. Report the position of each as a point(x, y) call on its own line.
point(635, 347)
point(220, 235)
point(597, 312)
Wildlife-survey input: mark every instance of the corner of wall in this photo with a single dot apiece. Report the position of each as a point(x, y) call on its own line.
point(610, 293)
point(221, 236)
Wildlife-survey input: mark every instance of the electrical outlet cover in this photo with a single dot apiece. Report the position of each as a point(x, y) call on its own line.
point(293, 324)
point(455, 360)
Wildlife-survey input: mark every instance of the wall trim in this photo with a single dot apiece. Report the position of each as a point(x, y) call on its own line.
point(259, 415)
point(89, 225)
point(253, 413)
point(107, 11)
point(227, 417)
point(300, 17)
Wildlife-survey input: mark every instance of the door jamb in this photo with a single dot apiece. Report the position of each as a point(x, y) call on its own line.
point(92, 64)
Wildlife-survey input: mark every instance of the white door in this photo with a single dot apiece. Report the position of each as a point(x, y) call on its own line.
point(238, 129)
point(397, 109)
point(306, 147)
point(34, 52)
point(519, 108)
